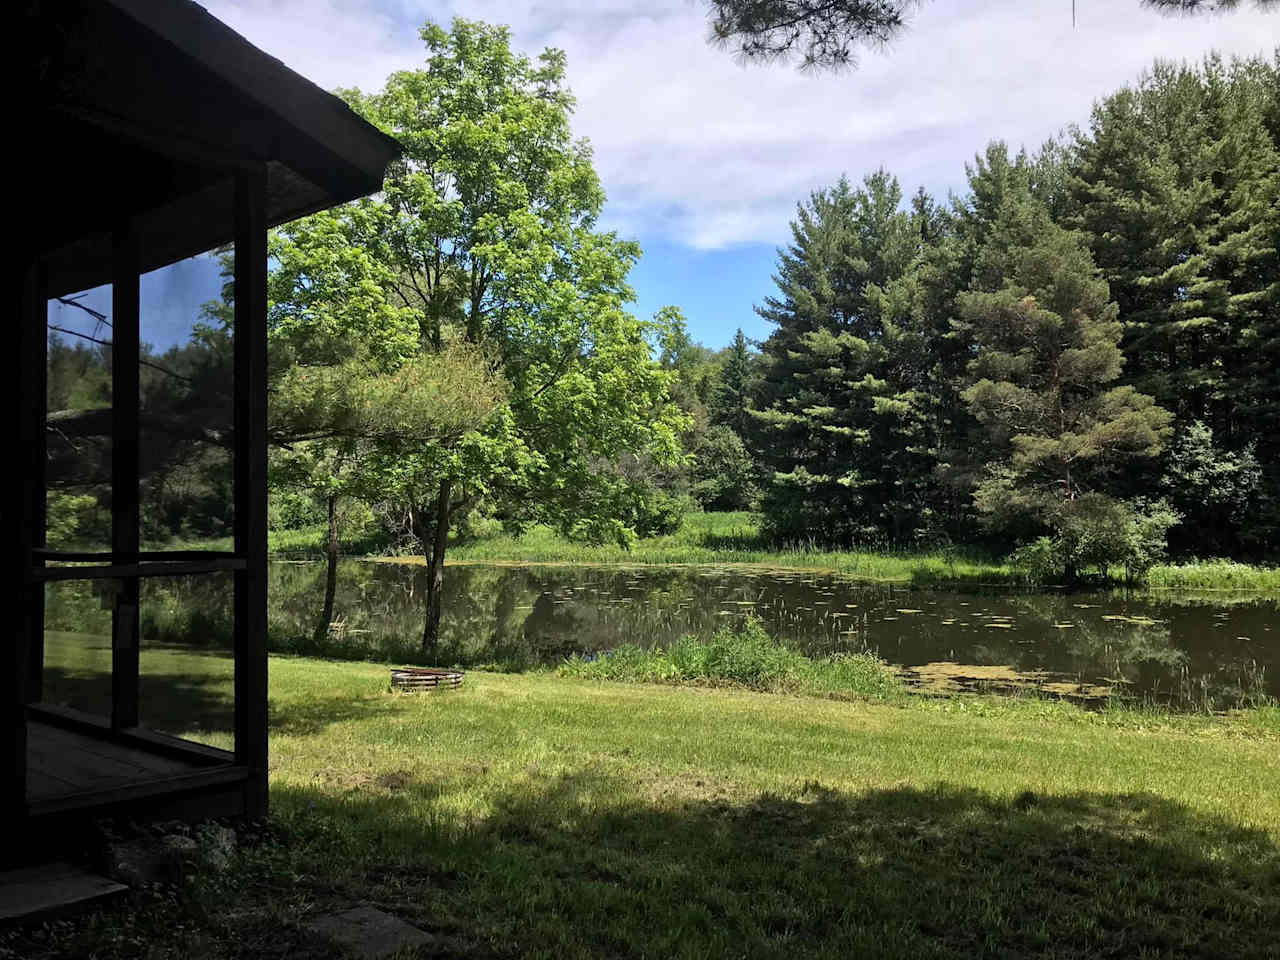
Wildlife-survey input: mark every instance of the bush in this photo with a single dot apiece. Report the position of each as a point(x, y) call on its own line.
point(76, 519)
point(723, 473)
point(1038, 560)
point(1100, 533)
point(661, 513)
point(293, 510)
point(1214, 488)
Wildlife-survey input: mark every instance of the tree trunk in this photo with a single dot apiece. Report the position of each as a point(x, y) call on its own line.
point(433, 551)
point(331, 574)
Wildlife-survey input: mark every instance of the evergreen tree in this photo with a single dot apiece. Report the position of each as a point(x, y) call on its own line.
point(1177, 186)
point(828, 417)
point(1047, 338)
point(731, 398)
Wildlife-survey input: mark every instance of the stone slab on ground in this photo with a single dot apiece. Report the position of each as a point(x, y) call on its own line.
point(368, 933)
point(51, 887)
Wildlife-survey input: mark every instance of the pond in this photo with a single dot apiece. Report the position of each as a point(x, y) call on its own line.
point(1205, 650)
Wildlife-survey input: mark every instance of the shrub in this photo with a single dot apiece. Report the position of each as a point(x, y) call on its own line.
point(1098, 532)
point(75, 519)
point(723, 472)
point(1213, 487)
point(661, 513)
point(293, 510)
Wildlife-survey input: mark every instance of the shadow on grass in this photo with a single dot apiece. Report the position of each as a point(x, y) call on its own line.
point(171, 702)
point(200, 700)
point(734, 541)
point(584, 865)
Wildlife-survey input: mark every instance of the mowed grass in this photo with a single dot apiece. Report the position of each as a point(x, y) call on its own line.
point(547, 816)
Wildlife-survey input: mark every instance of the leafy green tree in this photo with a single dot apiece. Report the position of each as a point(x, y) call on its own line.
point(1101, 532)
point(1047, 338)
point(489, 222)
point(1211, 488)
point(348, 378)
point(723, 471)
point(330, 325)
point(695, 369)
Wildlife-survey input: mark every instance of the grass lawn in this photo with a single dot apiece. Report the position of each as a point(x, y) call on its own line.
point(547, 816)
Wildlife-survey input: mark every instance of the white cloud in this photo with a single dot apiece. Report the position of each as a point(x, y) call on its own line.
point(697, 149)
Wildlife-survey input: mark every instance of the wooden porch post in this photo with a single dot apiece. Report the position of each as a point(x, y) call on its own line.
point(125, 354)
point(23, 495)
point(251, 483)
point(35, 353)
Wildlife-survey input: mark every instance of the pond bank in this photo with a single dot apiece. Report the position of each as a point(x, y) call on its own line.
point(733, 539)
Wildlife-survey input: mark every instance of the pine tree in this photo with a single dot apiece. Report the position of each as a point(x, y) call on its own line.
point(1176, 187)
point(834, 424)
point(731, 400)
point(1047, 338)
point(1245, 258)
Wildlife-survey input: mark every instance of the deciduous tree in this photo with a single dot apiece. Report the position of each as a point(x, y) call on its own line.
point(489, 221)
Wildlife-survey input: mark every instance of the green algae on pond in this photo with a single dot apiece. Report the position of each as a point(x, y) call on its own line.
point(1207, 653)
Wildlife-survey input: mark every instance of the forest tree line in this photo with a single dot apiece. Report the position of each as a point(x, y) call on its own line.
point(1084, 346)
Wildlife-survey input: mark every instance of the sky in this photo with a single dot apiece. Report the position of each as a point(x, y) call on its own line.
point(704, 158)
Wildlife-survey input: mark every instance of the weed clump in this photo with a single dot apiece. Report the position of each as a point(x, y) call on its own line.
point(743, 657)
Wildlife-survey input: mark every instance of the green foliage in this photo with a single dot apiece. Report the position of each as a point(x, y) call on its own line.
point(292, 510)
point(843, 425)
point(75, 519)
point(1176, 187)
point(746, 657)
point(1095, 532)
point(1047, 341)
point(489, 223)
point(1210, 487)
point(730, 396)
point(723, 472)
point(1036, 339)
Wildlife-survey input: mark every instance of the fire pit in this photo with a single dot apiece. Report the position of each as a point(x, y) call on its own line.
point(424, 678)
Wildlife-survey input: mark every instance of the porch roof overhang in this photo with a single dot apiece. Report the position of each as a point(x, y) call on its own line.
point(144, 111)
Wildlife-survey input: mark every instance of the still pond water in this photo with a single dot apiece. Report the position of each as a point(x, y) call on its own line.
point(1206, 649)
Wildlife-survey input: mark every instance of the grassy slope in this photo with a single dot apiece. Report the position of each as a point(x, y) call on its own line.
point(551, 817)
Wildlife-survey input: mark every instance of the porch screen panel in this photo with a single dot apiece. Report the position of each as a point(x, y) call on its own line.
point(78, 400)
point(77, 645)
point(186, 496)
point(186, 663)
point(185, 421)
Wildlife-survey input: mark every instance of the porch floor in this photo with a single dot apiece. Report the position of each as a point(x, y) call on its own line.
point(62, 762)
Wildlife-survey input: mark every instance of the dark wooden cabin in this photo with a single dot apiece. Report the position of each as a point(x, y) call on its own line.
point(147, 132)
